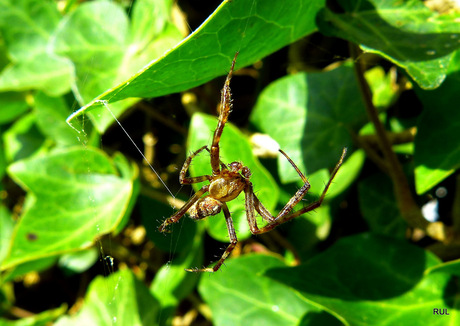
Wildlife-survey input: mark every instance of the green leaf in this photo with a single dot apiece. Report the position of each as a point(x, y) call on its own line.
point(13, 105)
point(310, 115)
point(378, 206)
point(6, 229)
point(75, 195)
point(450, 267)
point(80, 261)
point(23, 139)
point(172, 283)
point(41, 319)
point(254, 298)
point(243, 26)
point(51, 113)
point(47, 72)
point(96, 37)
point(149, 18)
point(369, 279)
point(407, 33)
point(27, 26)
point(437, 150)
point(234, 147)
point(36, 266)
point(153, 213)
point(118, 299)
point(382, 86)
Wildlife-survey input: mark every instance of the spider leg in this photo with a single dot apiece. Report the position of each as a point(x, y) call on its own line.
point(188, 180)
point(225, 108)
point(284, 216)
point(231, 246)
point(181, 212)
point(222, 164)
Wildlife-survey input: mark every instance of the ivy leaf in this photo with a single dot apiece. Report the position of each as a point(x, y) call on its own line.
point(47, 72)
point(105, 49)
point(243, 26)
point(437, 150)
point(309, 115)
point(407, 33)
point(370, 279)
point(378, 206)
point(254, 298)
point(24, 36)
point(74, 196)
point(117, 299)
point(28, 28)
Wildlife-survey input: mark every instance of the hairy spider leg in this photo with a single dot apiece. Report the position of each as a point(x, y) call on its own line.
point(181, 212)
point(189, 180)
point(284, 216)
point(231, 246)
point(225, 108)
point(223, 166)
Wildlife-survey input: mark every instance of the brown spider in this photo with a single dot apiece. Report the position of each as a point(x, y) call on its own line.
point(228, 181)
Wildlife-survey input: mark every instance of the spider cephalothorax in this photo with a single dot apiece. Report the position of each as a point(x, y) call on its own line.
point(227, 181)
point(223, 187)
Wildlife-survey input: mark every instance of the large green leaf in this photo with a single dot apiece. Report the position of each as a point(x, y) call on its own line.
point(253, 298)
point(310, 115)
point(379, 207)
point(119, 299)
point(47, 72)
point(234, 147)
point(243, 25)
point(409, 34)
point(105, 49)
point(74, 196)
point(374, 280)
point(28, 27)
point(437, 149)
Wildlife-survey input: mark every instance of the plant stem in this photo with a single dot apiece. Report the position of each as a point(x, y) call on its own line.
point(406, 203)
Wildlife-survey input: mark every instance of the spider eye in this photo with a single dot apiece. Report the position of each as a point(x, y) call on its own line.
point(246, 172)
point(235, 166)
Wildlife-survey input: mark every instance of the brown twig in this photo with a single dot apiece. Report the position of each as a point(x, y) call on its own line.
point(406, 203)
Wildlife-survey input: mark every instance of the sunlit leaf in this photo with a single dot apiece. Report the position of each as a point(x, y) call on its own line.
point(409, 34)
point(309, 116)
point(117, 299)
point(75, 196)
point(254, 298)
point(437, 150)
point(373, 280)
point(243, 25)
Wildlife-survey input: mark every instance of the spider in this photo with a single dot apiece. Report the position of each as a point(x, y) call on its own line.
point(227, 181)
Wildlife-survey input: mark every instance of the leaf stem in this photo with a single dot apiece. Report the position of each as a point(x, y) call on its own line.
point(406, 203)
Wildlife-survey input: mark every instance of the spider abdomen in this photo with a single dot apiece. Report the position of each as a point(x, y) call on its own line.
point(206, 206)
point(225, 189)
